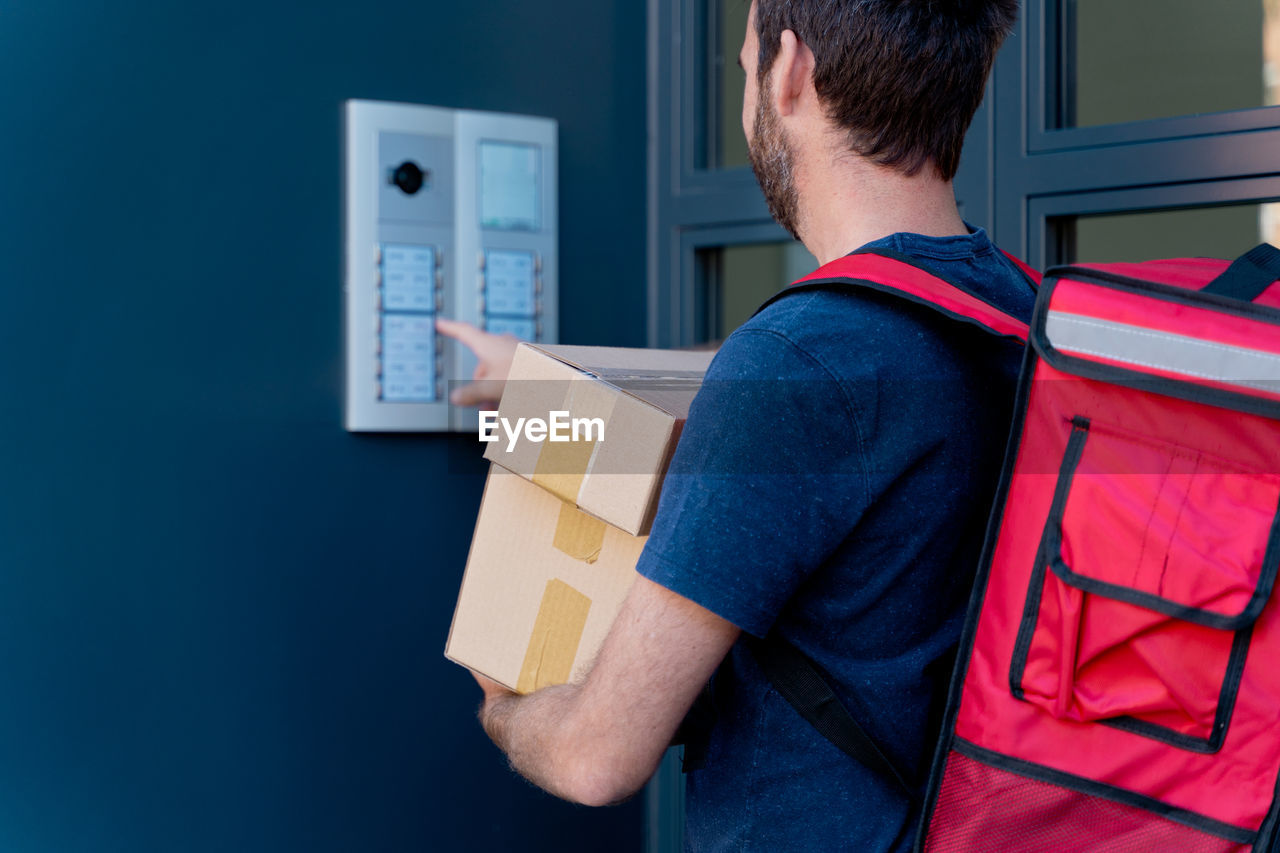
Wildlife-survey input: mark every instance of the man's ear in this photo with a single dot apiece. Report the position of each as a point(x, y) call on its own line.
point(792, 72)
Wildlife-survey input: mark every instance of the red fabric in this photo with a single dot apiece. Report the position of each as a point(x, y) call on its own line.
point(1188, 273)
point(917, 283)
point(1181, 524)
point(1085, 645)
point(1235, 785)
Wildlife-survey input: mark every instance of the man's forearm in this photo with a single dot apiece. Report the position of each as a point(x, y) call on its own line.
point(532, 731)
point(598, 741)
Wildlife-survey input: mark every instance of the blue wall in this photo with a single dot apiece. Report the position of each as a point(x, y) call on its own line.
point(221, 616)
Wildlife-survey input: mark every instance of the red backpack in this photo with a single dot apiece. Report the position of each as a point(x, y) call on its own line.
point(1116, 687)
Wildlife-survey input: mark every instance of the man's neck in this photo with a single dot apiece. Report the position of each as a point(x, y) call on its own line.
point(856, 202)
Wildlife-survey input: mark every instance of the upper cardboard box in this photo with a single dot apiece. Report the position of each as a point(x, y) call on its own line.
point(638, 399)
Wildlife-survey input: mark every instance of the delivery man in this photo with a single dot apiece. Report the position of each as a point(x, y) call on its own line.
point(832, 481)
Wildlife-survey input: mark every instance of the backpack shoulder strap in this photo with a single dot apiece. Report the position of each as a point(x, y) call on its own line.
point(899, 276)
point(799, 681)
point(796, 678)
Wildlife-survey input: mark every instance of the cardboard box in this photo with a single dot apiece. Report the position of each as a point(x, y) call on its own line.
point(640, 397)
point(543, 584)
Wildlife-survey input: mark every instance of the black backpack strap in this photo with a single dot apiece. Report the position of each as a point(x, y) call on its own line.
point(1249, 275)
point(798, 680)
point(694, 732)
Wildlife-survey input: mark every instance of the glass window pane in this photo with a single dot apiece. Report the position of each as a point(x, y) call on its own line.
point(1129, 60)
point(737, 279)
point(1210, 232)
point(725, 147)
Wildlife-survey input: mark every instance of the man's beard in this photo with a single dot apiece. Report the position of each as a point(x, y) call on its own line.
point(771, 159)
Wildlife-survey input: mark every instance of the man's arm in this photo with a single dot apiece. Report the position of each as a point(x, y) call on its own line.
point(599, 742)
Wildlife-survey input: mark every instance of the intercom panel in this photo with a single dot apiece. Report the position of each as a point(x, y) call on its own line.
point(448, 213)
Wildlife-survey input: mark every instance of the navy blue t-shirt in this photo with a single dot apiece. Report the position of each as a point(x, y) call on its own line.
point(832, 483)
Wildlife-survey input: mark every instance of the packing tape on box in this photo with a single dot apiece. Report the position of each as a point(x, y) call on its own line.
point(557, 631)
point(577, 534)
point(563, 465)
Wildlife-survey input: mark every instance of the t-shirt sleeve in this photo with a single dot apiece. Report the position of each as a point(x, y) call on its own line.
point(767, 480)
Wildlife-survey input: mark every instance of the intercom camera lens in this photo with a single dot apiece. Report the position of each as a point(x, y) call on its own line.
point(408, 177)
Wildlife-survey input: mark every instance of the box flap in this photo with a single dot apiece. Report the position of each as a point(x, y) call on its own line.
point(666, 379)
point(631, 403)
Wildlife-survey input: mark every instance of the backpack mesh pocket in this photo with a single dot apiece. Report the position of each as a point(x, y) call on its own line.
point(983, 807)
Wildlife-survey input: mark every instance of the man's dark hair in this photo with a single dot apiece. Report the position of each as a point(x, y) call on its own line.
point(903, 77)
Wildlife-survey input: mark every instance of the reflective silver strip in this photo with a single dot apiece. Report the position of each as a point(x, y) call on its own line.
point(1075, 334)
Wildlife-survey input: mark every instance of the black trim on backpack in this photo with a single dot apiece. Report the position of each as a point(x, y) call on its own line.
point(1267, 839)
point(977, 597)
point(1221, 719)
point(1226, 694)
point(1200, 616)
point(1035, 589)
point(694, 731)
point(1050, 552)
point(1103, 791)
point(1136, 379)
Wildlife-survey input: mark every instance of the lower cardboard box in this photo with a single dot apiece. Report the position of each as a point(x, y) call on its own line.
point(543, 583)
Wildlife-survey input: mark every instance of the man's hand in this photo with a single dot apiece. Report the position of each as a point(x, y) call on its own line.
point(493, 353)
point(493, 692)
point(598, 742)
